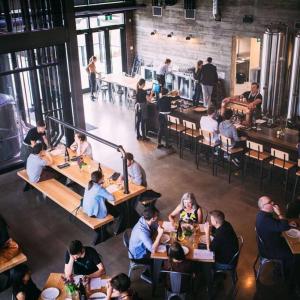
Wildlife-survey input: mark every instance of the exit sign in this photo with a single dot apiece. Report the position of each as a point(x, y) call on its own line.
point(108, 17)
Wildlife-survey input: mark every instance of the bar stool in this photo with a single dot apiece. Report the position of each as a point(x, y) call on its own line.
point(281, 160)
point(231, 153)
point(206, 144)
point(190, 131)
point(175, 126)
point(256, 153)
point(296, 181)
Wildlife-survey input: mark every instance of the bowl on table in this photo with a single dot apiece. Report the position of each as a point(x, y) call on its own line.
point(50, 293)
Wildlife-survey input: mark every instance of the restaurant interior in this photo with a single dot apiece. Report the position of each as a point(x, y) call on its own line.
point(149, 149)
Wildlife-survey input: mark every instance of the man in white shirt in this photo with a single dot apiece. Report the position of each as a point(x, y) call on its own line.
point(209, 123)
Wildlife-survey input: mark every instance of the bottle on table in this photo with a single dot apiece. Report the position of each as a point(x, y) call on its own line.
point(99, 168)
point(179, 233)
point(81, 290)
point(67, 156)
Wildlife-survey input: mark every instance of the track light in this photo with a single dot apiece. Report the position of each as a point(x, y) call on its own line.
point(170, 34)
point(154, 32)
point(188, 37)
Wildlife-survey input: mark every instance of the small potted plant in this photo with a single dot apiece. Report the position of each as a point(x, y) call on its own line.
point(70, 288)
point(81, 162)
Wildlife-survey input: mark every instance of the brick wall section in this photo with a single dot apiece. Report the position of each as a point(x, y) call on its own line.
point(210, 38)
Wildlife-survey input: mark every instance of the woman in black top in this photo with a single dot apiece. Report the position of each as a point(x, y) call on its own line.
point(23, 287)
point(198, 90)
point(141, 110)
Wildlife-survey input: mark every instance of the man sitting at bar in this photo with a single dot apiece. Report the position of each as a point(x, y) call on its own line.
point(209, 123)
point(83, 260)
point(141, 244)
point(269, 230)
point(225, 243)
point(164, 109)
point(36, 164)
point(253, 99)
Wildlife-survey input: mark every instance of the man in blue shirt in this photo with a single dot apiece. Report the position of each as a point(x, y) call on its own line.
point(35, 165)
point(141, 244)
point(135, 172)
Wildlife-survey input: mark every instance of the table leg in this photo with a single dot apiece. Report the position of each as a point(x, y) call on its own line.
point(110, 92)
point(208, 274)
point(157, 264)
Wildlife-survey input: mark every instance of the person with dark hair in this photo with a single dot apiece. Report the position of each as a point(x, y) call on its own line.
point(163, 71)
point(178, 263)
point(91, 70)
point(119, 288)
point(141, 244)
point(22, 285)
point(94, 197)
point(209, 123)
point(36, 163)
point(225, 243)
point(141, 110)
point(83, 260)
point(188, 210)
point(164, 109)
point(228, 129)
point(35, 135)
point(136, 173)
point(81, 145)
point(197, 77)
point(208, 79)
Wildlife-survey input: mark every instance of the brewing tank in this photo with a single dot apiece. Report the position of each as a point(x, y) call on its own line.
point(294, 91)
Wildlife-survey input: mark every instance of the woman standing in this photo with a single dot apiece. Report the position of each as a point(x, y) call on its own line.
point(141, 110)
point(91, 69)
point(188, 210)
point(198, 90)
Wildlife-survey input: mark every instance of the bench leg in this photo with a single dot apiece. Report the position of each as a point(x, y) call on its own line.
point(27, 187)
point(295, 188)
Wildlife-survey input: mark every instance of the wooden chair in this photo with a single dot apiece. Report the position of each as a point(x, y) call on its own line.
point(281, 160)
point(296, 182)
point(175, 126)
point(190, 131)
point(256, 153)
point(231, 153)
point(207, 146)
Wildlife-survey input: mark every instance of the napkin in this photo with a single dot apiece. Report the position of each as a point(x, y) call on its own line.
point(97, 283)
point(112, 188)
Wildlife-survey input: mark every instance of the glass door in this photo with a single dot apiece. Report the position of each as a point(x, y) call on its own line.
point(83, 60)
point(115, 51)
point(99, 51)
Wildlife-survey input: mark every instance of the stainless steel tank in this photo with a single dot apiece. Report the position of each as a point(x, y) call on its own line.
point(294, 91)
point(273, 69)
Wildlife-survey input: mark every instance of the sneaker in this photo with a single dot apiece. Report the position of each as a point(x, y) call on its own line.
point(159, 146)
point(146, 277)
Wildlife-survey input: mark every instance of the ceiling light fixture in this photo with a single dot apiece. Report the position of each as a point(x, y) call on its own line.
point(170, 34)
point(154, 32)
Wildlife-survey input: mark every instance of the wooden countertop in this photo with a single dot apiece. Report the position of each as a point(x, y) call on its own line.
point(294, 243)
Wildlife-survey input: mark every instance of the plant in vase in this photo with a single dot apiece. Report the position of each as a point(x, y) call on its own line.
point(81, 162)
point(70, 287)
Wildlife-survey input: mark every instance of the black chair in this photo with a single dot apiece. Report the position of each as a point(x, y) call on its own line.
point(232, 265)
point(263, 260)
point(132, 264)
point(180, 284)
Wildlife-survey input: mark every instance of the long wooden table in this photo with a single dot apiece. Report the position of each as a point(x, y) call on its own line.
point(55, 280)
point(83, 176)
point(294, 243)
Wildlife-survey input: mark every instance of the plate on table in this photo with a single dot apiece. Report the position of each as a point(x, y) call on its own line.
point(98, 295)
point(165, 238)
point(50, 293)
point(186, 250)
point(293, 233)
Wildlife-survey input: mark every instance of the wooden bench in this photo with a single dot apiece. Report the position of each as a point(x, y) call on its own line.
point(67, 199)
point(17, 260)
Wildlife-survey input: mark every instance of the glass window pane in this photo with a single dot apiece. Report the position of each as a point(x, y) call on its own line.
point(107, 20)
point(99, 51)
point(83, 60)
point(82, 23)
point(115, 50)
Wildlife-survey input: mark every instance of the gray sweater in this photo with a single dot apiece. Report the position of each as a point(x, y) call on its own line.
point(227, 129)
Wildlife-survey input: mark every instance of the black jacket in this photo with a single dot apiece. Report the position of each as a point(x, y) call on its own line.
point(209, 75)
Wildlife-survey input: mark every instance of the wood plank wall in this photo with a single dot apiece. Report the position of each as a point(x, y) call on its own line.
point(210, 38)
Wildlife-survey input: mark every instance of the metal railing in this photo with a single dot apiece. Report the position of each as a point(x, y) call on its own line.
point(119, 148)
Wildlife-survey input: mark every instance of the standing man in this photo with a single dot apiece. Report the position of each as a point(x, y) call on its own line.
point(35, 135)
point(163, 71)
point(209, 78)
point(164, 109)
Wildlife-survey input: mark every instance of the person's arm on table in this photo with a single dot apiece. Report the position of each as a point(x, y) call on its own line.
point(174, 213)
point(99, 272)
point(69, 267)
point(160, 232)
point(49, 159)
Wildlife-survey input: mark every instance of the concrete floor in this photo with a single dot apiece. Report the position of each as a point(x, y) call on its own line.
point(44, 230)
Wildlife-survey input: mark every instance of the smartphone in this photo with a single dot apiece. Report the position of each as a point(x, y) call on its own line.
point(115, 176)
point(65, 165)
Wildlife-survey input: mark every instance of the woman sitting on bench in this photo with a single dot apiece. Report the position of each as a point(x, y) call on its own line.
point(95, 194)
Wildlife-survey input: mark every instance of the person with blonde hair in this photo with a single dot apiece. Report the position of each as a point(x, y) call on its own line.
point(188, 210)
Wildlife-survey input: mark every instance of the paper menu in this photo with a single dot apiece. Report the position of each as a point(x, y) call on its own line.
point(168, 227)
point(203, 254)
point(97, 283)
point(112, 188)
